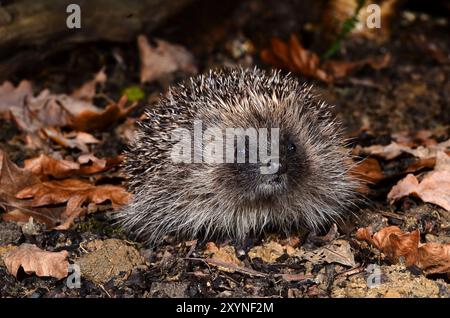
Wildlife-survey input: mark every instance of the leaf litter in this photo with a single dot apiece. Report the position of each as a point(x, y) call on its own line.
point(57, 185)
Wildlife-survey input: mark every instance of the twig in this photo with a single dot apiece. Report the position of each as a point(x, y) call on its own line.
point(240, 269)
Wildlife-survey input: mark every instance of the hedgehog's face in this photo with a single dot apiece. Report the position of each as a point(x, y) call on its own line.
point(251, 182)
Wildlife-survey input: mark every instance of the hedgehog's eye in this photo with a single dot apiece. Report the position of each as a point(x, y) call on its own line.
point(291, 148)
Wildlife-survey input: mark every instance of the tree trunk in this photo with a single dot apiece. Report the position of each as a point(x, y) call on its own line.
point(33, 29)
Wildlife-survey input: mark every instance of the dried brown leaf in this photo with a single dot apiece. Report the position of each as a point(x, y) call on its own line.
point(11, 96)
point(73, 191)
point(268, 252)
point(368, 170)
point(33, 260)
point(434, 258)
point(225, 255)
point(395, 149)
point(434, 187)
point(75, 140)
point(90, 120)
point(295, 58)
point(45, 166)
point(430, 257)
point(13, 178)
point(87, 90)
point(338, 251)
point(163, 59)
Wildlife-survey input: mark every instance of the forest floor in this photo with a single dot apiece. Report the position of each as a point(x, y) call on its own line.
point(393, 114)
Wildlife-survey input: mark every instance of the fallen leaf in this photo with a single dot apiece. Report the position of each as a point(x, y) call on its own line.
point(414, 139)
point(74, 140)
point(268, 252)
point(295, 58)
point(338, 251)
point(393, 242)
point(32, 113)
point(33, 260)
point(432, 258)
point(23, 195)
point(87, 90)
point(225, 254)
point(325, 239)
point(369, 171)
point(52, 110)
point(421, 164)
point(434, 187)
point(295, 277)
point(45, 166)
point(395, 149)
point(13, 178)
point(163, 59)
point(340, 69)
point(93, 120)
point(11, 96)
point(73, 191)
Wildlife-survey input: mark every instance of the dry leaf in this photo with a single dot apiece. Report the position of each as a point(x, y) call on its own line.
point(33, 260)
point(268, 252)
point(414, 139)
point(368, 170)
point(434, 187)
point(74, 140)
point(430, 257)
point(11, 96)
point(393, 242)
point(49, 110)
point(338, 251)
point(337, 12)
point(13, 178)
point(225, 254)
point(30, 113)
point(44, 198)
point(48, 166)
point(295, 58)
point(45, 166)
point(87, 90)
point(93, 120)
point(434, 258)
point(395, 149)
point(73, 191)
point(163, 59)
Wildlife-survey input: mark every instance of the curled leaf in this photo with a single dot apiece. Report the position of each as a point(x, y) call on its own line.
point(33, 260)
point(430, 257)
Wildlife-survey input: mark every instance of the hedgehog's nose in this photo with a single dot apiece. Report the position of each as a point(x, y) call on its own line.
point(276, 167)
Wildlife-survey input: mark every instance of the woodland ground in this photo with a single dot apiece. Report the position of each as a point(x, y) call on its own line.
point(410, 96)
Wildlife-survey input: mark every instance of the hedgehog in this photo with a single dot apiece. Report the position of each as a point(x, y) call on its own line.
point(307, 183)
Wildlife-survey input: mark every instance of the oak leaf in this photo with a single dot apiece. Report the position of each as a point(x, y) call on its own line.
point(432, 258)
point(434, 187)
point(33, 260)
point(163, 59)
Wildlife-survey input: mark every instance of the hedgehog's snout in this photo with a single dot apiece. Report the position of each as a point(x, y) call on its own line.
point(276, 167)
